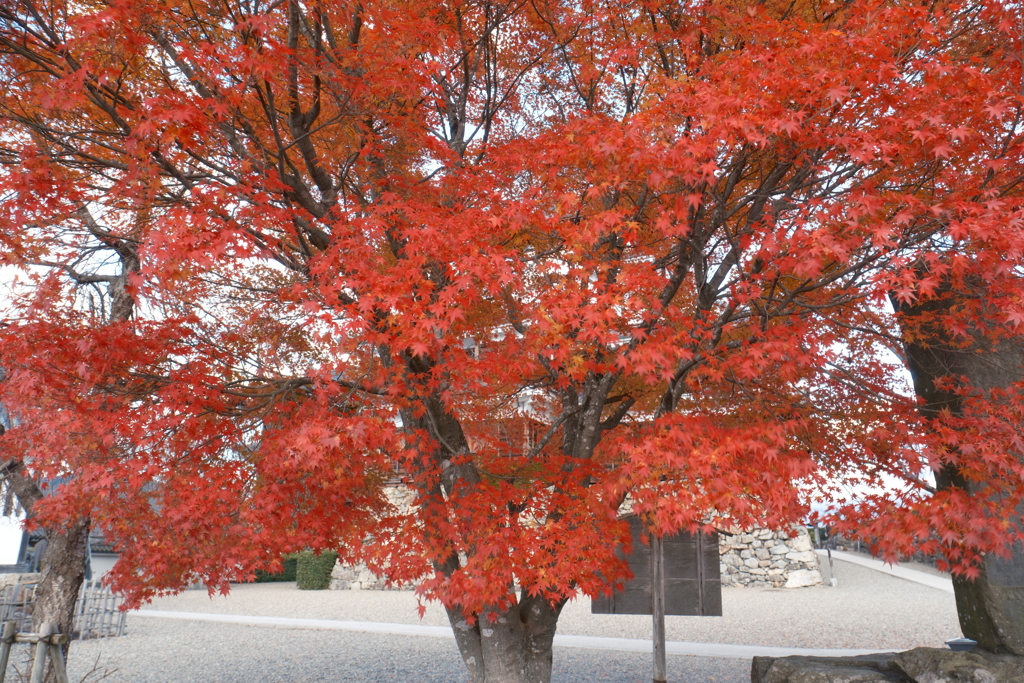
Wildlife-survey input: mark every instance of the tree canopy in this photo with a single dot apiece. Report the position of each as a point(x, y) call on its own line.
point(534, 258)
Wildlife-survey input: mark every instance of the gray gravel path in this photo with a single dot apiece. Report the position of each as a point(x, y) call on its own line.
point(195, 652)
point(868, 610)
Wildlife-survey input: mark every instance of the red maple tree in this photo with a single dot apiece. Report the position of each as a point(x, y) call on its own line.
point(368, 232)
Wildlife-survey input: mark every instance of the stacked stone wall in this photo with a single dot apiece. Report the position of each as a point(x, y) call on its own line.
point(762, 558)
point(359, 577)
point(758, 559)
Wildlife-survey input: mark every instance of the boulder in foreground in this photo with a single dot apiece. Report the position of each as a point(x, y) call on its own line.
point(920, 665)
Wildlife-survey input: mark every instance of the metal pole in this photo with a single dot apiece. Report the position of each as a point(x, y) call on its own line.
point(831, 569)
point(658, 607)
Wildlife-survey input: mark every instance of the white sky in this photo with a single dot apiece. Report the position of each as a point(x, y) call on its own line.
point(10, 539)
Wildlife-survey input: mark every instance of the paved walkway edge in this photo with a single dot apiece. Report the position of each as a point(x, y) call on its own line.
point(585, 642)
point(939, 582)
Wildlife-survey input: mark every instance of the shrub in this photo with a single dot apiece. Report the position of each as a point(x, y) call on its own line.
point(287, 573)
point(313, 572)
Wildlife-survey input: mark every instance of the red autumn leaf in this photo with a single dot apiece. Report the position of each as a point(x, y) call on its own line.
point(331, 248)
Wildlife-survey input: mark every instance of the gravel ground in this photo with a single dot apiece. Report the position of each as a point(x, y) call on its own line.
point(922, 567)
point(867, 610)
point(164, 651)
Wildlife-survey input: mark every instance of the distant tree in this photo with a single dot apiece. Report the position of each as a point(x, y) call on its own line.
point(369, 232)
point(98, 265)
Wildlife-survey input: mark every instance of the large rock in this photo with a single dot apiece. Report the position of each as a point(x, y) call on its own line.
point(802, 542)
point(864, 669)
point(929, 665)
point(921, 665)
point(806, 556)
point(802, 578)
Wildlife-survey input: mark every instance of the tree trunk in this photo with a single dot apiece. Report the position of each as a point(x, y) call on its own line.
point(990, 607)
point(62, 565)
point(63, 572)
point(511, 646)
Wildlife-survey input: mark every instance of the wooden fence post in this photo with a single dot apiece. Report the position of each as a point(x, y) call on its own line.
point(6, 641)
point(48, 642)
point(57, 659)
point(41, 647)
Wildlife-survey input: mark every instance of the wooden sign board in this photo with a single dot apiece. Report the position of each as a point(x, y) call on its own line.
point(693, 578)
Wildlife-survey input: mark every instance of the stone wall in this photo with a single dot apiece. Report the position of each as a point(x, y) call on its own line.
point(768, 559)
point(23, 579)
point(758, 558)
point(358, 577)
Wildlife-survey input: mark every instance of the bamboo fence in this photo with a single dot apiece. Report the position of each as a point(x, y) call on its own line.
point(96, 610)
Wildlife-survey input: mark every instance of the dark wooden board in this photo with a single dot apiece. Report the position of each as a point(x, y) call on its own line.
point(693, 580)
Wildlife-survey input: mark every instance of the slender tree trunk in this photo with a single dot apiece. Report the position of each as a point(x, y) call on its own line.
point(990, 607)
point(62, 565)
point(510, 646)
point(63, 572)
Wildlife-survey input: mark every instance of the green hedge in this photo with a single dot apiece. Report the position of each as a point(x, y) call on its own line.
point(313, 572)
point(287, 572)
